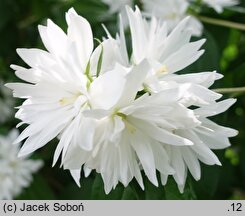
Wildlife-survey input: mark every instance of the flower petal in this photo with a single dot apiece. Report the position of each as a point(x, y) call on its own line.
point(76, 175)
point(106, 90)
point(79, 32)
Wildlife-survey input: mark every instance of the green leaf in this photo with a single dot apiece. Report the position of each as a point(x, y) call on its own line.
point(5, 13)
point(98, 192)
point(172, 191)
point(206, 187)
point(209, 61)
point(100, 61)
point(152, 192)
point(129, 193)
point(39, 189)
point(72, 191)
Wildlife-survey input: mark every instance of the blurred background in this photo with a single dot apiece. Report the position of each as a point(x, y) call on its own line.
point(225, 52)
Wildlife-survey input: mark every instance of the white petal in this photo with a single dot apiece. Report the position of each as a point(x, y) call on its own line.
point(215, 109)
point(161, 159)
point(205, 79)
point(39, 140)
point(134, 82)
point(131, 160)
point(198, 95)
point(139, 37)
point(159, 134)
point(203, 152)
point(79, 32)
point(29, 75)
point(35, 57)
point(76, 175)
point(192, 162)
point(21, 90)
point(212, 139)
point(185, 56)
point(144, 152)
point(111, 56)
point(39, 136)
point(164, 179)
point(85, 133)
point(87, 171)
point(75, 157)
point(96, 113)
point(118, 128)
point(53, 37)
point(41, 121)
point(106, 90)
point(179, 166)
point(65, 140)
point(220, 130)
point(125, 152)
point(176, 39)
point(42, 90)
point(123, 45)
point(195, 26)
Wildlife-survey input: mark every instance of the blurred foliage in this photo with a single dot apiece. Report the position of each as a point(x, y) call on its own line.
point(225, 52)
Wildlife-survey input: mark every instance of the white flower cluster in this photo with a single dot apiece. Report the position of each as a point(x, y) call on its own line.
point(119, 115)
point(219, 5)
point(15, 173)
point(171, 11)
point(116, 6)
point(6, 103)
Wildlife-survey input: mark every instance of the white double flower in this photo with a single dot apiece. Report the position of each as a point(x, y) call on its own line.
point(119, 115)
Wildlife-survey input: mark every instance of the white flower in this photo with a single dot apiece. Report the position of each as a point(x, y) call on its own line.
point(6, 103)
point(132, 134)
point(15, 173)
point(219, 5)
point(169, 53)
point(118, 6)
point(117, 115)
point(58, 90)
point(172, 12)
point(60, 87)
point(205, 136)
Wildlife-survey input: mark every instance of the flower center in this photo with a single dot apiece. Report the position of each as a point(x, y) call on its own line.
point(68, 100)
point(122, 115)
point(78, 101)
point(163, 70)
point(128, 125)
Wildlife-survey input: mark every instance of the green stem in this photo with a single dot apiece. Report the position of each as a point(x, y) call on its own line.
point(87, 73)
point(230, 90)
point(219, 22)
